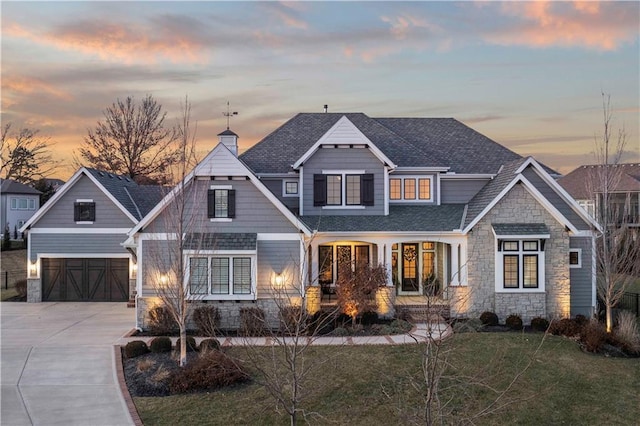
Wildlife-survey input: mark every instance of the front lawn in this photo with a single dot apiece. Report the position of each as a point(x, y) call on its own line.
point(372, 385)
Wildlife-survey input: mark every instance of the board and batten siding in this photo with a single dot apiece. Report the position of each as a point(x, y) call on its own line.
point(459, 191)
point(254, 212)
point(277, 257)
point(76, 244)
point(582, 278)
point(552, 196)
point(60, 215)
point(330, 158)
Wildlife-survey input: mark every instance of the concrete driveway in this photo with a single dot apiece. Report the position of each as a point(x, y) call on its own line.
point(57, 363)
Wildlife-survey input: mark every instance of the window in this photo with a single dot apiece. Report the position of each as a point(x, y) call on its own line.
point(353, 190)
point(221, 203)
point(84, 211)
point(325, 261)
point(410, 189)
point(343, 189)
point(290, 188)
point(520, 265)
point(334, 190)
point(333, 259)
point(575, 258)
point(221, 277)
point(23, 204)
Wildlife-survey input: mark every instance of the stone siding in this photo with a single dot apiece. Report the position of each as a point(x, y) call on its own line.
point(517, 206)
point(34, 290)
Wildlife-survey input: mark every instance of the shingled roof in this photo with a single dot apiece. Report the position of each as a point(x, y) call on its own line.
point(10, 186)
point(446, 217)
point(137, 199)
point(582, 180)
point(408, 142)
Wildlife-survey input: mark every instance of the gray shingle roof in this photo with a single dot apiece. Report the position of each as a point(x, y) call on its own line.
point(506, 229)
point(585, 179)
point(137, 199)
point(221, 241)
point(491, 190)
point(10, 186)
point(445, 217)
point(408, 142)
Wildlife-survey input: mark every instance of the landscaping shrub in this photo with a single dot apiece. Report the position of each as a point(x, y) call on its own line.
point(340, 331)
point(581, 320)
point(403, 313)
point(627, 332)
point(401, 326)
point(252, 322)
point(209, 345)
point(320, 323)
point(135, 348)
point(191, 344)
point(207, 320)
point(21, 288)
point(593, 336)
point(160, 344)
point(343, 320)
point(290, 316)
point(369, 318)
point(489, 318)
point(539, 324)
point(565, 327)
point(210, 370)
point(161, 321)
point(514, 322)
point(472, 325)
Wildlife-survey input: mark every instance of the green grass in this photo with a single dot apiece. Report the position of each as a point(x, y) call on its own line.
point(8, 293)
point(372, 385)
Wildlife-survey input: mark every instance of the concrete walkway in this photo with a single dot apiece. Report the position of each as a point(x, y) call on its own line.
point(57, 363)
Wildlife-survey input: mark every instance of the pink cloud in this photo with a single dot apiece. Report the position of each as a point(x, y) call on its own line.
point(117, 42)
point(29, 85)
point(585, 24)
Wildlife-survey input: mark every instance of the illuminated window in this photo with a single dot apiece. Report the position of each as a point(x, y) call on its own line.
point(424, 190)
point(395, 189)
point(409, 189)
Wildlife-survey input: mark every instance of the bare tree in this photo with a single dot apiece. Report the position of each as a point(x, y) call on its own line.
point(181, 223)
point(618, 245)
point(132, 140)
point(356, 290)
point(284, 368)
point(24, 156)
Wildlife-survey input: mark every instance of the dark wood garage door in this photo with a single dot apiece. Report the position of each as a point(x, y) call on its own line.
point(79, 280)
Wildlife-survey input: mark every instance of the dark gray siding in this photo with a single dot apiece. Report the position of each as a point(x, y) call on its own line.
point(581, 278)
point(108, 215)
point(254, 212)
point(277, 257)
point(551, 195)
point(76, 244)
point(460, 191)
point(343, 159)
point(275, 186)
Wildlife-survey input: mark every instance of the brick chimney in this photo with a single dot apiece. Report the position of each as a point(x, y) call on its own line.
point(230, 140)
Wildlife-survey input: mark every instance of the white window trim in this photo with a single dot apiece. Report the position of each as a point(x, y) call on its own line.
point(579, 251)
point(430, 200)
point(499, 267)
point(284, 187)
point(343, 183)
point(84, 200)
point(252, 254)
point(221, 219)
point(334, 254)
point(15, 203)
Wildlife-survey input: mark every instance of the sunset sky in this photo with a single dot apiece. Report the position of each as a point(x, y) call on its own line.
point(526, 74)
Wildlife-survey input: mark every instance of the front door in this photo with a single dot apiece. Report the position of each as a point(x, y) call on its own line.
point(409, 264)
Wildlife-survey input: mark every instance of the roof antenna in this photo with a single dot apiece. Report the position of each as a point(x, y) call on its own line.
point(228, 114)
point(326, 108)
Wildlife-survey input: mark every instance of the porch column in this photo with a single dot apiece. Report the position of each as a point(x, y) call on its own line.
point(455, 264)
point(387, 262)
point(462, 280)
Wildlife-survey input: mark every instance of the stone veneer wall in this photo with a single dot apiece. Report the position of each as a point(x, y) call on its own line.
point(518, 206)
point(34, 290)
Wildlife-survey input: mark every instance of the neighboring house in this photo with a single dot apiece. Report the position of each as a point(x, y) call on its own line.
point(18, 202)
point(431, 199)
point(585, 184)
point(74, 248)
point(55, 183)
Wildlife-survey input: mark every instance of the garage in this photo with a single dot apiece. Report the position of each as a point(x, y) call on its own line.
point(79, 280)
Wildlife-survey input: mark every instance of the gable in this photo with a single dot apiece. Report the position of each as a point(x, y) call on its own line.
point(60, 213)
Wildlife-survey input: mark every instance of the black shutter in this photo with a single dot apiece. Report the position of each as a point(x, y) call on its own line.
point(211, 203)
point(92, 212)
point(319, 190)
point(76, 212)
point(231, 206)
point(366, 190)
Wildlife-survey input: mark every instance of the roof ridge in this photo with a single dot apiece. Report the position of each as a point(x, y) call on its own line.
point(133, 201)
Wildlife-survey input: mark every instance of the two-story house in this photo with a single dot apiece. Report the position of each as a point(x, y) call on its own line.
point(451, 214)
point(18, 202)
